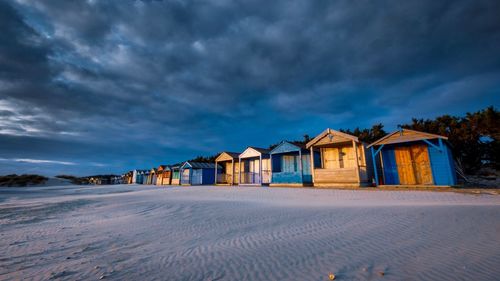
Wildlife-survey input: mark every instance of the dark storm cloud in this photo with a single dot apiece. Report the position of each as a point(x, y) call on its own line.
point(137, 83)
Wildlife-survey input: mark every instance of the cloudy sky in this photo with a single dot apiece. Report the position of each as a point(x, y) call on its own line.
point(106, 86)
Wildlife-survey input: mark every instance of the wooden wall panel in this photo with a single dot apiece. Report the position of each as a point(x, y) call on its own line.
point(347, 175)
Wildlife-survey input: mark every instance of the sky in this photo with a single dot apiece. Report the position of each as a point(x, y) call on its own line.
point(93, 87)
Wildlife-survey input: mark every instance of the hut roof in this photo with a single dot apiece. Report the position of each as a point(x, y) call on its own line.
point(252, 151)
point(261, 150)
point(406, 135)
point(201, 165)
point(176, 166)
point(227, 155)
point(286, 146)
point(336, 137)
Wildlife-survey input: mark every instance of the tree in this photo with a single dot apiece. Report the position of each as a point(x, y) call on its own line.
point(474, 138)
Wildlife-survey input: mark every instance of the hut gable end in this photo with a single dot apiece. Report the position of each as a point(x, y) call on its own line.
point(406, 135)
point(227, 156)
point(330, 136)
point(285, 147)
point(253, 152)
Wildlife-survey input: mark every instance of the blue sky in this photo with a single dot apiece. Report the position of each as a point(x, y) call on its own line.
point(92, 87)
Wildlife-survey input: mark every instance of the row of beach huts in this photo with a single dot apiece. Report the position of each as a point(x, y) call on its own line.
point(331, 159)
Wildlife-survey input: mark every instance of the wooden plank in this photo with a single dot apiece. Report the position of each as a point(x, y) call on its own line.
point(347, 175)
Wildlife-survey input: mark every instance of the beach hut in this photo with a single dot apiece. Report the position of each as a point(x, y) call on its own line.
point(127, 177)
point(176, 178)
point(152, 176)
point(145, 176)
point(254, 166)
point(164, 175)
point(228, 173)
point(197, 173)
point(343, 160)
point(290, 165)
point(408, 157)
point(136, 176)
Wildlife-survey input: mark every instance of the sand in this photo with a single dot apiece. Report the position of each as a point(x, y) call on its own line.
point(133, 232)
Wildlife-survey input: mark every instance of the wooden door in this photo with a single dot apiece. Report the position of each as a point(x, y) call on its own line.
point(405, 165)
point(413, 164)
point(330, 158)
point(422, 166)
point(229, 172)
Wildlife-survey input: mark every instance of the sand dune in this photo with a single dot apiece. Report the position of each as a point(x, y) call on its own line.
point(222, 233)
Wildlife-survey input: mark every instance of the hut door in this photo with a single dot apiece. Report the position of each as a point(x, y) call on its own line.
point(405, 166)
point(329, 158)
point(196, 177)
point(422, 165)
point(413, 165)
point(229, 172)
point(185, 176)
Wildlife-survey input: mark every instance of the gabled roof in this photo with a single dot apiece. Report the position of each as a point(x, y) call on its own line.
point(256, 150)
point(176, 166)
point(406, 135)
point(200, 165)
point(227, 156)
point(336, 137)
point(286, 146)
point(261, 150)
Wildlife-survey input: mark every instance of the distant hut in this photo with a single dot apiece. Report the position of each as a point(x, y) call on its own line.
point(197, 173)
point(343, 160)
point(176, 176)
point(290, 165)
point(135, 176)
point(145, 176)
point(254, 167)
point(127, 177)
point(408, 157)
point(138, 176)
point(164, 175)
point(152, 176)
point(228, 173)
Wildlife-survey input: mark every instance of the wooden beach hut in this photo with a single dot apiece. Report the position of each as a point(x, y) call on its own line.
point(145, 176)
point(228, 173)
point(254, 166)
point(152, 176)
point(176, 175)
point(344, 161)
point(127, 177)
point(197, 173)
point(290, 165)
point(408, 157)
point(164, 175)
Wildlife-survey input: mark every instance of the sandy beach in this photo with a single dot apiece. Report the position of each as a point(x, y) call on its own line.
point(133, 232)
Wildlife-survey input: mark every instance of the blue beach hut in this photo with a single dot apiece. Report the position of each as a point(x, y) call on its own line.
point(408, 157)
point(290, 165)
point(197, 173)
